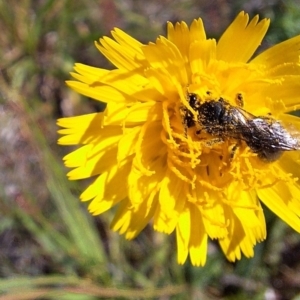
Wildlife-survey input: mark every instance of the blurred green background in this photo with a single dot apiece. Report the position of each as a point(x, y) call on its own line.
point(50, 247)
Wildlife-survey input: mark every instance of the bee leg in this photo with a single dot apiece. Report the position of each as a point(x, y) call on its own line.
point(233, 151)
point(187, 119)
point(239, 100)
point(198, 129)
point(213, 142)
point(184, 119)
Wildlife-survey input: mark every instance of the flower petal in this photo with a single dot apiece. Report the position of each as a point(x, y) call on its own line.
point(103, 191)
point(126, 55)
point(198, 238)
point(241, 39)
point(92, 160)
point(183, 232)
point(80, 130)
point(282, 53)
point(166, 57)
point(102, 92)
point(278, 198)
point(207, 49)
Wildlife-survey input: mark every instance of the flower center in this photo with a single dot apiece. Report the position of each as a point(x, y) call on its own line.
point(208, 144)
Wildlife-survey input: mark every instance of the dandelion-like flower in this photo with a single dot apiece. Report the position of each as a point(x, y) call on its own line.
point(155, 155)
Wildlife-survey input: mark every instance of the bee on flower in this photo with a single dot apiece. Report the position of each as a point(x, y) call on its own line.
point(195, 136)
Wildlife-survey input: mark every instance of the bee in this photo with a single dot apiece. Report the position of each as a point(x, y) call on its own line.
point(263, 135)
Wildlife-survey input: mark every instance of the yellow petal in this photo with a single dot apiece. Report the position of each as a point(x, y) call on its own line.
point(88, 74)
point(126, 40)
point(285, 52)
point(172, 201)
point(183, 231)
point(141, 217)
point(104, 192)
point(207, 49)
point(122, 56)
point(180, 37)
point(126, 146)
point(286, 90)
point(80, 130)
point(241, 39)
point(198, 238)
point(165, 56)
point(102, 93)
point(96, 160)
point(197, 31)
point(276, 200)
point(231, 245)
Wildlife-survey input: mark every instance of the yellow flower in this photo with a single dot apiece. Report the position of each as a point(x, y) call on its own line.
point(153, 159)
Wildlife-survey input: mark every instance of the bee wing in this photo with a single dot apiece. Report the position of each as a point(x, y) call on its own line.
point(266, 132)
point(263, 132)
point(240, 116)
